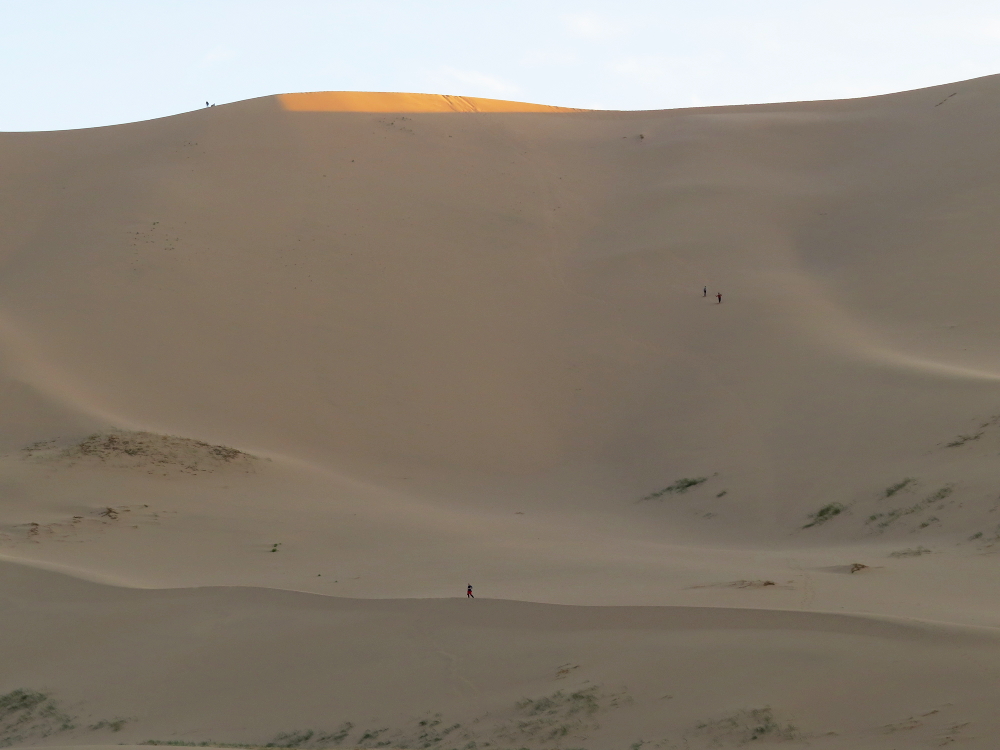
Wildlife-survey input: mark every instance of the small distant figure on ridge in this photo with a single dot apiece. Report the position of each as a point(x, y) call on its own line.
point(719, 295)
point(704, 291)
point(206, 104)
point(468, 593)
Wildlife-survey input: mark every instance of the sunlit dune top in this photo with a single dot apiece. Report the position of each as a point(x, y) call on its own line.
point(367, 101)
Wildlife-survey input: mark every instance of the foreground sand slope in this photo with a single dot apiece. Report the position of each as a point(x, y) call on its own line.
point(247, 665)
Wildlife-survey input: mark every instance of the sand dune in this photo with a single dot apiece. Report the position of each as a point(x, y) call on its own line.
point(248, 665)
point(335, 355)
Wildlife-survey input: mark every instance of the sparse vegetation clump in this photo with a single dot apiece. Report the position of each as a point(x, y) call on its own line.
point(911, 552)
point(963, 439)
point(291, 739)
point(185, 743)
point(30, 715)
point(434, 731)
point(679, 487)
point(142, 450)
point(824, 514)
point(894, 488)
point(744, 727)
point(371, 735)
point(294, 739)
point(882, 521)
point(115, 725)
point(549, 721)
point(337, 736)
point(941, 494)
point(553, 717)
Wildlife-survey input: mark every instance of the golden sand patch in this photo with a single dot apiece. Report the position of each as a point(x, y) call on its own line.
point(369, 101)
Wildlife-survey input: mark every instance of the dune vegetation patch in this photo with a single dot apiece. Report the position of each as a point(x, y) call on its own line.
point(986, 540)
point(88, 525)
point(824, 514)
point(187, 743)
point(971, 437)
point(142, 450)
point(550, 721)
point(677, 488)
point(27, 716)
point(554, 716)
point(937, 500)
point(743, 728)
point(963, 439)
point(892, 489)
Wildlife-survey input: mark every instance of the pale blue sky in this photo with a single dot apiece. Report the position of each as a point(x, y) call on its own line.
point(80, 63)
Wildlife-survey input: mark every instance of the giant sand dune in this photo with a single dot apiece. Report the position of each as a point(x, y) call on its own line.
point(279, 378)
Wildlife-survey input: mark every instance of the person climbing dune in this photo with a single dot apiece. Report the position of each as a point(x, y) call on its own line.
point(719, 295)
point(468, 593)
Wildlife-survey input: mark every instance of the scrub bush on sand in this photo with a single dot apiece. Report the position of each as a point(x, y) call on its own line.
point(678, 487)
point(824, 514)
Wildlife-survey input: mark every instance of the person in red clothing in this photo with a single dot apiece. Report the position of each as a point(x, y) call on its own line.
point(468, 593)
point(719, 295)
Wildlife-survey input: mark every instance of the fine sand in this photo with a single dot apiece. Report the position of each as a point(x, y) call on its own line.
point(280, 378)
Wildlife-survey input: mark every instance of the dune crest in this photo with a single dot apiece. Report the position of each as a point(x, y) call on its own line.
point(371, 101)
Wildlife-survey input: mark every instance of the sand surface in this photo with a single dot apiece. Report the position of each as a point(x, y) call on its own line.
point(279, 378)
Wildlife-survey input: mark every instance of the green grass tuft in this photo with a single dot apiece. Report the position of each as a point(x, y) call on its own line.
point(824, 514)
point(963, 439)
point(679, 487)
point(893, 489)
